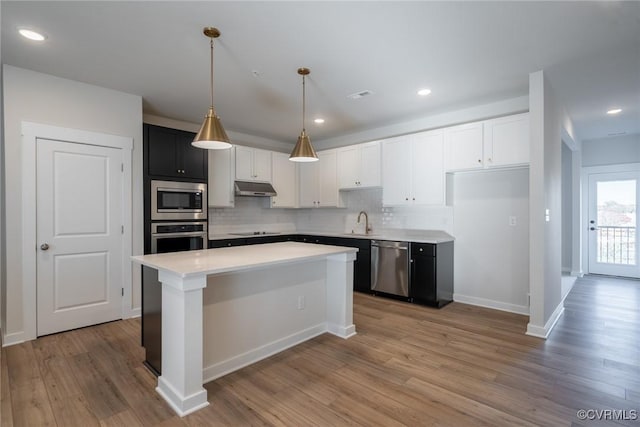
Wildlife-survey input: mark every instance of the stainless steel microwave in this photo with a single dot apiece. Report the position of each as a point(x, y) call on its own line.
point(171, 200)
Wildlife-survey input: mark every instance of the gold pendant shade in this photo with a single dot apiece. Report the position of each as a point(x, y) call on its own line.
point(211, 135)
point(303, 151)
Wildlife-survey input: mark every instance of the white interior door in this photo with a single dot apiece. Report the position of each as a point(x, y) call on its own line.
point(79, 218)
point(613, 223)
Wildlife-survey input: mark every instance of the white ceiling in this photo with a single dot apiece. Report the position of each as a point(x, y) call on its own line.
point(468, 53)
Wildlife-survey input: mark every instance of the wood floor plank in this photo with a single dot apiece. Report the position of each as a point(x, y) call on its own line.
point(121, 419)
point(6, 414)
point(408, 365)
point(30, 405)
point(97, 386)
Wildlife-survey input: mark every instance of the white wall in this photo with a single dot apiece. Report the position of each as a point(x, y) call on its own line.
point(491, 256)
point(547, 120)
point(3, 224)
point(567, 209)
point(611, 151)
point(431, 121)
point(41, 98)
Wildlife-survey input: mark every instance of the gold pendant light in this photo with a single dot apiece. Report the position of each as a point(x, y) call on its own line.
point(303, 151)
point(211, 135)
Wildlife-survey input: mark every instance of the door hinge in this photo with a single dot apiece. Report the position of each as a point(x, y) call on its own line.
point(122, 291)
point(121, 167)
point(122, 229)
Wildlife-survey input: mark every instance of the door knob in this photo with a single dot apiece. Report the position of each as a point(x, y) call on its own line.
point(593, 228)
point(44, 246)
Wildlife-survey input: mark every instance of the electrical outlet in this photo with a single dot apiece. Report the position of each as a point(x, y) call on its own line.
point(301, 303)
point(513, 221)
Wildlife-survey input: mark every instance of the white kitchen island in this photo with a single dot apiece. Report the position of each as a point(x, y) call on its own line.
point(223, 309)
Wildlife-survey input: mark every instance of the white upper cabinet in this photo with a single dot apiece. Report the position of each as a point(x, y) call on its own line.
point(285, 181)
point(463, 147)
point(328, 179)
point(319, 182)
point(413, 170)
point(494, 143)
point(221, 176)
point(308, 189)
point(253, 164)
point(396, 171)
point(427, 168)
point(506, 141)
point(359, 166)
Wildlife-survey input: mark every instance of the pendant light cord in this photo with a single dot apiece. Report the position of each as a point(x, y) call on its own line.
point(212, 72)
point(303, 103)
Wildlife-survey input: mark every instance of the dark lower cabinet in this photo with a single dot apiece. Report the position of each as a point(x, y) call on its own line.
point(361, 266)
point(213, 244)
point(431, 273)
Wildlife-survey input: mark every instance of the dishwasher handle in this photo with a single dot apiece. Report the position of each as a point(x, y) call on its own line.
point(403, 246)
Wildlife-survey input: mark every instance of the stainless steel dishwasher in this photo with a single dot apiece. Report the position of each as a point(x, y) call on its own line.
point(390, 267)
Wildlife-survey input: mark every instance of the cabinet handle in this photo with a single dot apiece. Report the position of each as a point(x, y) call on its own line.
point(414, 199)
point(479, 160)
point(489, 159)
point(406, 198)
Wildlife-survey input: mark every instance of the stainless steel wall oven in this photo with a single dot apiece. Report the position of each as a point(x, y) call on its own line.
point(178, 236)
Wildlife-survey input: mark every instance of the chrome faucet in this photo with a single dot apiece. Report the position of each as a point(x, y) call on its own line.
point(367, 229)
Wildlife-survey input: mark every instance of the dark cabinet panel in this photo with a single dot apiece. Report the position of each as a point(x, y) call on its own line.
point(226, 243)
point(361, 266)
point(423, 275)
point(170, 154)
point(266, 239)
point(194, 159)
point(432, 273)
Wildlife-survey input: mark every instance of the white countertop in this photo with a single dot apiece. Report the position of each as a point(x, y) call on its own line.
point(237, 258)
point(418, 236)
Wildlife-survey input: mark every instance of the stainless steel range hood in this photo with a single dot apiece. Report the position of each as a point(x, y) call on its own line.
point(248, 188)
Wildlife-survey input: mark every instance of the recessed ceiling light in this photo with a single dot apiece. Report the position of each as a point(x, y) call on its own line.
point(614, 111)
point(31, 35)
point(424, 92)
point(319, 121)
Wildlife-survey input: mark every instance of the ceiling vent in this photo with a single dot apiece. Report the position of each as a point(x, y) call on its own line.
point(360, 94)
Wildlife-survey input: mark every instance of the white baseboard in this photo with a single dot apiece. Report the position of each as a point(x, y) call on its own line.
point(225, 367)
point(136, 312)
point(341, 331)
point(544, 331)
point(576, 273)
point(13, 339)
point(496, 305)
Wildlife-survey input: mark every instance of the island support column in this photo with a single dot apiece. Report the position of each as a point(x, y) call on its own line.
point(340, 295)
point(182, 334)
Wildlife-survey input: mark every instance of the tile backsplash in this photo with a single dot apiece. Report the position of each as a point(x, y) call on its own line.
point(254, 214)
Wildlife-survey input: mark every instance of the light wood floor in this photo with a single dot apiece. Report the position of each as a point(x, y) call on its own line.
point(408, 365)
